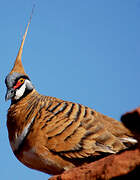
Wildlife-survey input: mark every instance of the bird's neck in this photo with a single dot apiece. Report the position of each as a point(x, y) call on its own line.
point(18, 110)
point(20, 116)
point(26, 93)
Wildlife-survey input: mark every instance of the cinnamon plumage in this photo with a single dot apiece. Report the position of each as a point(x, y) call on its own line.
point(52, 135)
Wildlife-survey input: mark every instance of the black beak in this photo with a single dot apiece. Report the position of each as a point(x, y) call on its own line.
point(10, 94)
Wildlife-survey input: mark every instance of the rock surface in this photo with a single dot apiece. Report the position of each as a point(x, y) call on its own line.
point(123, 165)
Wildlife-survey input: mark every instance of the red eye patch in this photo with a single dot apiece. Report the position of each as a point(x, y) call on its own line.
point(19, 83)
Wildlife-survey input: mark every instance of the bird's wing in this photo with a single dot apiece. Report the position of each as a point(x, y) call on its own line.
point(76, 131)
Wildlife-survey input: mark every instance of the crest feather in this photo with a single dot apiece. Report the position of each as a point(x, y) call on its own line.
point(18, 67)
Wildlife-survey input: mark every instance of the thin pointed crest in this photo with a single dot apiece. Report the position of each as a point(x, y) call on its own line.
point(18, 67)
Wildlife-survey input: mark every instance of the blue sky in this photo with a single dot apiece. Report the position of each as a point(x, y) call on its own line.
point(82, 51)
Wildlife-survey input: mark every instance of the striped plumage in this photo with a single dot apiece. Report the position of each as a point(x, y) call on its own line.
point(53, 135)
point(61, 132)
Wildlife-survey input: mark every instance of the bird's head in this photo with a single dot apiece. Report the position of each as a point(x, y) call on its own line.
point(17, 81)
point(18, 86)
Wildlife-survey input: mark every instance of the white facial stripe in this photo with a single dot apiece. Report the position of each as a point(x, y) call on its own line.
point(21, 90)
point(19, 139)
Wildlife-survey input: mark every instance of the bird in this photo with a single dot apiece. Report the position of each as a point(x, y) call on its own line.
point(53, 135)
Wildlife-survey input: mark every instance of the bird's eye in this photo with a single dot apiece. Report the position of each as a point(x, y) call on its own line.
point(19, 83)
point(21, 80)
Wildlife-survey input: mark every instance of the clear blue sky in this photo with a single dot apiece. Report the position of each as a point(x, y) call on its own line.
point(86, 51)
